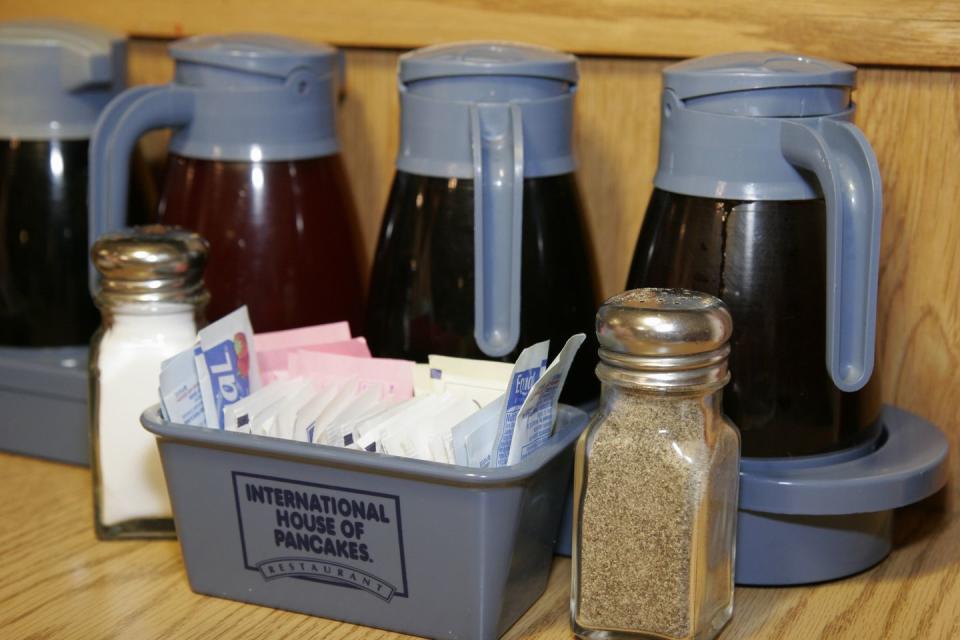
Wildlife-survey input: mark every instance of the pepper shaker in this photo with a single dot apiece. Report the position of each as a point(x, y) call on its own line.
point(151, 298)
point(656, 473)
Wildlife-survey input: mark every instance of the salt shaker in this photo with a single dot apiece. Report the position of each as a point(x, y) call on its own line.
point(151, 298)
point(656, 473)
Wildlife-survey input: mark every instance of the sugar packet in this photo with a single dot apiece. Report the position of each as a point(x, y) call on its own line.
point(338, 432)
point(394, 377)
point(302, 337)
point(180, 396)
point(422, 383)
point(245, 411)
point(408, 432)
point(276, 364)
point(536, 418)
point(527, 370)
point(472, 439)
point(423, 431)
point(479, 380)
point(227, 368)
point(304, 423)
point(287, 416)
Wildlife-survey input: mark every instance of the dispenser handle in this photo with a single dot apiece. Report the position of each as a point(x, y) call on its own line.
point(844, 164)
point(496, 132)
point(121, 123)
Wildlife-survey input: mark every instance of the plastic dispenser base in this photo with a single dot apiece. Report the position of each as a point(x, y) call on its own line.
point(825, 517)
point(43, 403)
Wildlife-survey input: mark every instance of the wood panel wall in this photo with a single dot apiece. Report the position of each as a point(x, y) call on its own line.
point(896, 32)
point(908, 107)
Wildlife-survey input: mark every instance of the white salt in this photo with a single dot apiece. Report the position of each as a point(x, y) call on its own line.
point(140, 338)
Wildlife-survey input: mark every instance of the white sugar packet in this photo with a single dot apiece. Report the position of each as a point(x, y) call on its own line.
point(331, 431)
point(431, 437)
point(472, 439)
point(395, 437)
point(286, 418)
point(242, 412)
point(180, 395)
point(305, 421)
point(479, 380)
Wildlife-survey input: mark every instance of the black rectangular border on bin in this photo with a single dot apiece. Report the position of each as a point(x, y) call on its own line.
point(243, 542)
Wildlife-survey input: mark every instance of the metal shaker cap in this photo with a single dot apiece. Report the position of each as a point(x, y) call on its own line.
point(152, 263)
point(668, 337)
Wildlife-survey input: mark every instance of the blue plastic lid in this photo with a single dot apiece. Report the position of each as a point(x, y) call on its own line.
point(56, 77)
point(257, 96)
point(257, 53)
point(486, 59)
point(440, 85)
point(761, 84)
point(754, 70)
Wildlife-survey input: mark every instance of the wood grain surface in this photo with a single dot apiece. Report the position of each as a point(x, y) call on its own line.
point(906, 32)
point(61, 583)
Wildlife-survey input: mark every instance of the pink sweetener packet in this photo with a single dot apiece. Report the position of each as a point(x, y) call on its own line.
point(269, 377)
point(396, 376)
point(275, 361)
point(302, 337)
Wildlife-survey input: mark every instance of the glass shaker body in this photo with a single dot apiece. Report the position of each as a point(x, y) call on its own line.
point(130, 496)
point(655, 494)
point(656, 474)
point(151, 298)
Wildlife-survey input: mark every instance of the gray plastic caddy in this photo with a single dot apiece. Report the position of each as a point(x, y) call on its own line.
point(417, 547)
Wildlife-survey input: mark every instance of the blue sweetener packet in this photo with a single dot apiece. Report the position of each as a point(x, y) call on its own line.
point(529, 367)
point(226, 363)
point(537, 417)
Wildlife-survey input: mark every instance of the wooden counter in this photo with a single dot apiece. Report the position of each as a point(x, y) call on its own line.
point(60, 582)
